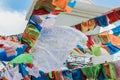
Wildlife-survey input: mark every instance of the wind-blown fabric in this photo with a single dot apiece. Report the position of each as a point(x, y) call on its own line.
point(54, 45)
point(9, 50)
point(91, 72)
point(31, 32)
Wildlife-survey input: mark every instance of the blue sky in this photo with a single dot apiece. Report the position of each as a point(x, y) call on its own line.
point(23, 5)
point(12, 16)
point(18, 5)
point(108, 3)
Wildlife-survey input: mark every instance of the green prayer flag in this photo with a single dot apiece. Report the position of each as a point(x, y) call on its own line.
point(23, 58)
point(91, 72)
point(74, 52)
point(50, 75)
point(96, 50)
point(112, 71)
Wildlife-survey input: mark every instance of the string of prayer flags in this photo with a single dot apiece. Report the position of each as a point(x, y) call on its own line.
point(9, 50)
point(65, 5)
point(31, 32)
point(107, 70)
point(100, 21)
point(43, 7)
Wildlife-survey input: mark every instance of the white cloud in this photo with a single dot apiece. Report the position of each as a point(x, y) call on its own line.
point(11, 22)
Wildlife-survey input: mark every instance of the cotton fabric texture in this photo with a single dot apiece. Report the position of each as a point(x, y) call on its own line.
point(55, 41)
